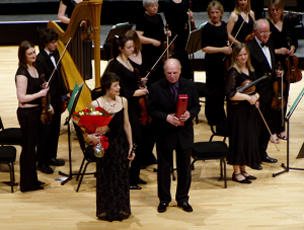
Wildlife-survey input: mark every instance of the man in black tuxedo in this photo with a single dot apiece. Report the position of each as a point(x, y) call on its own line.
point(171, 134)
point(45, 63)
point(262, 59)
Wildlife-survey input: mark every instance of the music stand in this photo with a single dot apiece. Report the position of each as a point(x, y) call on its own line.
point(71, 108)
point(287, 118)
point(194, 42)
point(118, 29)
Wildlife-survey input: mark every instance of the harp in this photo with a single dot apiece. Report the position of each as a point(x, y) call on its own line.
point(90, 11)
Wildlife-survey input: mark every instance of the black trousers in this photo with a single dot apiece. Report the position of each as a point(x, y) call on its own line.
point(165, 159)
point(29, 120)
point(49, 137)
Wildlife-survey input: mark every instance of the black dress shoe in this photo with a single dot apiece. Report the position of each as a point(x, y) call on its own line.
point(244, 181)
point(135, 187)
point(45, 169)
point(40, 182)
point(141, 181)
point(185, 206)
point(269, 159)
point(257, 167)
point(57, 162)
point(162, 207)
point(248, 177)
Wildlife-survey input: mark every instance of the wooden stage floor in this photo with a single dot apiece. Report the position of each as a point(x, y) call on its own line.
point(267, 203)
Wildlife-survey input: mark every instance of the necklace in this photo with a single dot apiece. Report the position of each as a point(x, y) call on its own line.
point(110, 103)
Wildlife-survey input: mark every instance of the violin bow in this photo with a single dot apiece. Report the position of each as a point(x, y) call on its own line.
point(267, 127)
point(63, 53)
point(148, 74)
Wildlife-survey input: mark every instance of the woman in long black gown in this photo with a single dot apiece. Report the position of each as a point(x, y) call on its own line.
point(241, 21)
point(285, 44)
point(112, 187)
point(242, 117)
point(215, 45)
point(124, 47)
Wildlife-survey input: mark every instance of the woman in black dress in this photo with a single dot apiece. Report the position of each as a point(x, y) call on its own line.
point(80, 49)
point(29, 93)
point(112, 187)
point(177, 14)
point(123, 48)
point(285, 44)
point(215, 45)
point(242, 117)
point(241, 21)
point(150, 29)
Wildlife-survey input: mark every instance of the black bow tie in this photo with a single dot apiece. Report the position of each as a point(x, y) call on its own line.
point(52, 54)
point(264, 44)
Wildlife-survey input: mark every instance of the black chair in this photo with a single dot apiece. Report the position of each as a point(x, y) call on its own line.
point(8, 156)
point(88, 156)
point(215, 133)
point(10, 136)
point(214, 150)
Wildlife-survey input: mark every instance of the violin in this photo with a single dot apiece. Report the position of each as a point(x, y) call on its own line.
point(293, 73)
point(248, 87)
point(191, 19)
point(144, 118)
point(46, 112)
point(169, 47)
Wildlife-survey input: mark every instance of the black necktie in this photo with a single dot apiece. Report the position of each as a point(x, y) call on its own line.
point(174, 91)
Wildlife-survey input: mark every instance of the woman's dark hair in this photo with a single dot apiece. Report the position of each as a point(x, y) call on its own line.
point(133, 36)
point(119, 42)
point(23, 47)
point(106, 81)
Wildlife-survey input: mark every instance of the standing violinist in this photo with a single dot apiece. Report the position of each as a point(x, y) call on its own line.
point(242, 116)
point(240, 22)
point(180, 22)
point(215, 45)
point(148, 134)
point(263, 61)
point(29, 93)
point(46, 62)
point(285, 43)
point(151, 32)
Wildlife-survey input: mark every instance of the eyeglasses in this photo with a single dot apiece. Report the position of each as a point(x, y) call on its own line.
point(264, 33)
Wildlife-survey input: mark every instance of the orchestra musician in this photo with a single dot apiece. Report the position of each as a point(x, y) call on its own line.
point(179, 19)
point(263, 61)
point(215, 45)
point(81, 45)
point(242, 116)
point(46, 62)
point(29, 93)
point(148, 135)
point(285, 43)
point(240, 22)
point(123, 48)
point(151, 32)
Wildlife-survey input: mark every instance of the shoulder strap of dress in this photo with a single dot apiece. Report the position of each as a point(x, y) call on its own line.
point(122, 101)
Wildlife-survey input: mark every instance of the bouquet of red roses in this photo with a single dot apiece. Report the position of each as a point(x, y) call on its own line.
point(93, 120)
